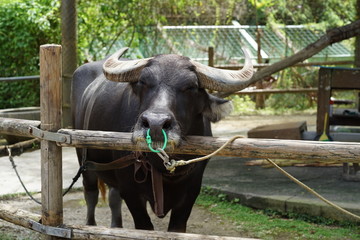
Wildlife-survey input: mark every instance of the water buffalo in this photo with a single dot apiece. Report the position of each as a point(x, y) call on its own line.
point(162, 94)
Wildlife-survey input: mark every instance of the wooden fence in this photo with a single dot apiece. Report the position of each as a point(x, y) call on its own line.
point(53, 138)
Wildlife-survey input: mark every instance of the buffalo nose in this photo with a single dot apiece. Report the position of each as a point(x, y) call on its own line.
point(156, 122)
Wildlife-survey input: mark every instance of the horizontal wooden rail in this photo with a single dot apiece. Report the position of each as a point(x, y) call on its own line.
point(276, 91)
point(279, 91)
point(17, 127)
point(243, 147)
point(18, 148)
point(90, 232)
point(28, 220)
point(300, 64)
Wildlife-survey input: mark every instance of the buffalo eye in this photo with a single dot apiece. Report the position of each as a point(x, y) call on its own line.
point(141, 83)
point(139, 86)
point(190, 88)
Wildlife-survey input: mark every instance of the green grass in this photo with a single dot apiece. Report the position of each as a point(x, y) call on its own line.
point(267, 224)
point(8, 237)
point(12, 196)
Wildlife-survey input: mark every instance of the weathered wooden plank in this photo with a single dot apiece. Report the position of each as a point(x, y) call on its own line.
point(242, 147)
point(299, 64)
point(276, 91)
point(253, 148)
point(18, 127)
point(18, 148)
point(92, 233)
point(17, 216)
point(51, 155)
point(345, 79)
point(324, 94)
point(26, 219)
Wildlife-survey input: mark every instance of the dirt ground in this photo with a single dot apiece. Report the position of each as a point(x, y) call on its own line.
point(201, 220)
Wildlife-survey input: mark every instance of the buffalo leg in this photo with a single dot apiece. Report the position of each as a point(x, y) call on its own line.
point(115, 206)
point(137, 207)
point(181, 213)
point(178, 219)
point(91, 194)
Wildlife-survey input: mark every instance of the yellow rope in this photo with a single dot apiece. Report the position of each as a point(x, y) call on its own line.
point(312, 191)
point(171, 166)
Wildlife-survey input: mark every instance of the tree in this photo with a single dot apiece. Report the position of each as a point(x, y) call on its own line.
point(331, 36)
point(330, 13)
point(24, 26)
point(103, 23)
point(357, 41)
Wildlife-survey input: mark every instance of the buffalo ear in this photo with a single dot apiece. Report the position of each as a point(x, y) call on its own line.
point(217, 109)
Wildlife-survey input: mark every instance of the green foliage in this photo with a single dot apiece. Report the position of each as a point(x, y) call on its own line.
point(331, 13)
point(24, 26)
point(242, 104)
point(7, 237)
point(103, 23)
point(19, 94)
point(289, 78)
point(276, 104)
point(106, 25)
point(294, 78)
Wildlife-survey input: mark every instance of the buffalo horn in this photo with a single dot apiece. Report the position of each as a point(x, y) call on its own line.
point(225, 80)
point(123, 70)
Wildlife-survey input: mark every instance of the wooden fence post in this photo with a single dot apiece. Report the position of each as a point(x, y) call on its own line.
point(211, 56)
point(68, 39)
point(324, 94)
point(51, 154)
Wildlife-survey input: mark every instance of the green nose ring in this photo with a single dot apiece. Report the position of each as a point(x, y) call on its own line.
point(149, 141)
